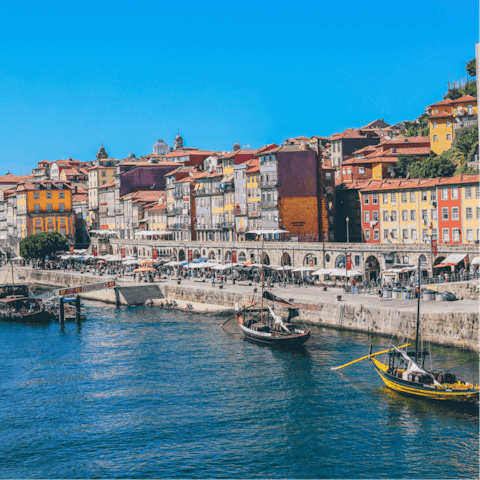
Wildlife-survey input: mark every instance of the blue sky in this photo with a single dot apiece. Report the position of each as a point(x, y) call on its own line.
point(76, 74)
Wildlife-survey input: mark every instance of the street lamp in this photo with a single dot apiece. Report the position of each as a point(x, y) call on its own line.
point(347, 219)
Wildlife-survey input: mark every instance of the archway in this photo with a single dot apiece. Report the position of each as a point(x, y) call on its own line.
point(286, 260)
point(372, 268)
point(196, 254)
point(404, 259)
point(265, 259)
point(438, 260)
point(181, 255)
point(228, 256)
point(310, 260)
point(211, 255)
point(340, 261)
point(242, 258)
point(143, 251)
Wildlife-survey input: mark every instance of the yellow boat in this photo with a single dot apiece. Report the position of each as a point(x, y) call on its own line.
point(413, 380)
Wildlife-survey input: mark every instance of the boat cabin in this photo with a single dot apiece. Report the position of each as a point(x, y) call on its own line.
point(7, 289)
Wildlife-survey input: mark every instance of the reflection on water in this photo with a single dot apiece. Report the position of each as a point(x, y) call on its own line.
point(138, 392)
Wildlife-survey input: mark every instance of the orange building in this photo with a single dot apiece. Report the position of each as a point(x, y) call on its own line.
point(45, 206)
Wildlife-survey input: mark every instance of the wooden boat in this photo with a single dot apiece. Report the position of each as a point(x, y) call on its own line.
point(405, 373)
point(20, 309)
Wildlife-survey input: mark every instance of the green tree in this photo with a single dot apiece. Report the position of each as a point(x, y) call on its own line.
point(432, 167)
point(454, 93)
point(402, 168)
point(466, 140)
point(464, 168)
point(471, 67)
point(470, 89)
point(41, 245)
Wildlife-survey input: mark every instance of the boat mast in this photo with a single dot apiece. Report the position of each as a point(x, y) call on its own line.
point(418, 309)
point(13, 281)
point(261, 278)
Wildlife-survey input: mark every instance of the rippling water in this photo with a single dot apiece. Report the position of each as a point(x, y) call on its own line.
point(137, 392)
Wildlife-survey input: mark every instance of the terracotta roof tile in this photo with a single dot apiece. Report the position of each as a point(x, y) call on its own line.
point(442, 114)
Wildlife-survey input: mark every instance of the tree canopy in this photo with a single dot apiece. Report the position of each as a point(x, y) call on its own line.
point(43, 244)
point(432, 167)
point(471, 67)
point(402, 168)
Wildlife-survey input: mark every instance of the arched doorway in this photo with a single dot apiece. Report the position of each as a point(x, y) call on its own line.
point(265, 259)
point(286, 260)
point(181, 255)
point(211, 255)
point(404, 259)
point(310, 260)
point(196, 254)
point(228, 256)
point(340, 261)
point(242, 258)
point(372, 268)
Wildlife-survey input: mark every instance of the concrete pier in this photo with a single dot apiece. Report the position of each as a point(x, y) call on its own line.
point(446, 323)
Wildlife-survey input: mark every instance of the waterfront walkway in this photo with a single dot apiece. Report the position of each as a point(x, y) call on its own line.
point(298, 294)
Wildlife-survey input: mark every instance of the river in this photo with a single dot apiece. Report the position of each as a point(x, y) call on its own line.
point(142, 393)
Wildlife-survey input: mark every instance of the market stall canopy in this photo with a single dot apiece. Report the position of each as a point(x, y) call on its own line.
point(476, 261)
point(150, 233)
point(266, 231)
point(452, 260)
point(130, 262)
point(18, 258)
point(303, 269)
point(103, 232)
point(322, 271)
point(354, 273)
point(129, 257)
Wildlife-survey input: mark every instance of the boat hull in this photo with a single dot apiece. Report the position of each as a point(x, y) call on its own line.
point(36, 318)
point(430, 392)
point(274, 338)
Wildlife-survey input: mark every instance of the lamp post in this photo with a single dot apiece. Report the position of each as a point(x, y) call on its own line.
point(347, 219)
point(346, 270)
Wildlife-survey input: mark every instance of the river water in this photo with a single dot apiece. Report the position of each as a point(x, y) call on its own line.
point(137, 392)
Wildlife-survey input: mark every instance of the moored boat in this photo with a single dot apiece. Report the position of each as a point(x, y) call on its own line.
point(20, 309)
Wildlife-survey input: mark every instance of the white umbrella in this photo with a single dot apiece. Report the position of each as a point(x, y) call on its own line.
point(130, 262)
point(18, 258)
point(222, 267)
point(303, 269)
point(323, 271)
point(354, 273)
point(476, 261)
point(129, 257)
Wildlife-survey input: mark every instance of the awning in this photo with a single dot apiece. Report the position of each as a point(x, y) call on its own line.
point(454, 258)
point(476, 261)
point(143, 220)
point(441, 265)
point(200, 260)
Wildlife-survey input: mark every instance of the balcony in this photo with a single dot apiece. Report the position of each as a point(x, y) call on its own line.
point(206, 226)
point(208, 191)
point(268, 204)
point(229, 224)
point(178, 194)
point(268, 183)
point(181, 226)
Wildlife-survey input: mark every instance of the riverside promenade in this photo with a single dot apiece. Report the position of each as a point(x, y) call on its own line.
point(448, 323)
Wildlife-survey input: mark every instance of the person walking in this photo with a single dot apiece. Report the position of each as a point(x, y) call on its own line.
point(213, 280)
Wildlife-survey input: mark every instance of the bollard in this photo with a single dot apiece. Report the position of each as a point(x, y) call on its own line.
point(77, 309)
point(61, 312)
point(117, 297)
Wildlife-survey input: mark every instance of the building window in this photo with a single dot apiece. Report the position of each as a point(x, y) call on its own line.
point(444, 193)
point(470, 234)
point(455, 193)
point(435, 138)
point(478, 233)
point(385, 234)
point(366, 199)
point(404, 197)
point(456, 235)
point(61, 207)
point(469, 213)
point(449, 123)
point(385, 216)
point(393, 217)
point(436, 110)
point(445, 235)
point(455, 213)
point(412, 196)
point(424, 195)
point(434, 233)
point(366, 216)
point(385, 198)
point(376, 234)
point(468, 192)
point(424, 215)
point(413, 233)
point(394, 233)
point(435, 125)
point(393, 198)
point(478, 213)
point(375, 215)
point(413, 215)
point(433, 195)
point(38, 221)
point(36, 208)
point(405, 234)
point(349, 171)
point(445, 214)
point(470, 109)
point(49, 208)
point(361, 170)
point(36, 195)
point(449, 137)
point(49, 195)
point(425, 234)
point(61, 194)
point(434, 214)
point(357, 260)
point(367, 234)
point(404, 215)
point(328, 176)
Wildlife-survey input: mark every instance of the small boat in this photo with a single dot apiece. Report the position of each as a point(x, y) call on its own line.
point(70, 312)
point(21, 309)
point(265, 326)
point(406, 374)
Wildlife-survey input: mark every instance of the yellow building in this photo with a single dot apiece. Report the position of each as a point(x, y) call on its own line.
point(253, 195)
point(97, 177)
point(228, 203)
point(448, 116)
point(157, 218)
point(470, 209)
point(45, 206)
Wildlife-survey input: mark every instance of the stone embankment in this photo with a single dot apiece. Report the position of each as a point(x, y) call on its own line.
point(446, 323)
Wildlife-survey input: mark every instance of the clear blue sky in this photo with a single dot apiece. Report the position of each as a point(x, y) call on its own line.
point(75, 74)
